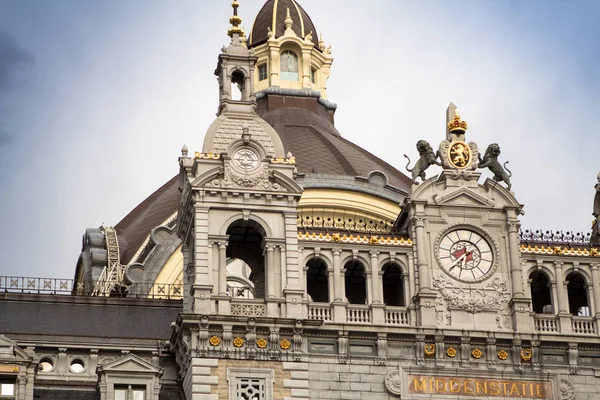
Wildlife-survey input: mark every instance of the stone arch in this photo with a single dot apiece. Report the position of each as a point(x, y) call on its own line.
point(392, 281)
point(578, 293)
point(355, 281)
point(254, 218)
point(541, 292)
point(317, 280)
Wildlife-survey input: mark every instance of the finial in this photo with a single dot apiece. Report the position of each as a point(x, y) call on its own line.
point(235, 21)
point(243, 38)
point(598, 177)
point(457, 125)
point(288, 20)
point(184, 151)
point(321, 42)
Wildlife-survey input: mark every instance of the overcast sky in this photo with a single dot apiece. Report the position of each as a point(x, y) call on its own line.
point(97, 98)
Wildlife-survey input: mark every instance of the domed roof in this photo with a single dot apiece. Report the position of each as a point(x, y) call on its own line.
point(272, 16)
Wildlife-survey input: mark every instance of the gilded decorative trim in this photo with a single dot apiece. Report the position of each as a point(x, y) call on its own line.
point(451, 352)
point(405, 242)
point(238, 342)
point(502, 355)
point(212, 156)
point(559, 250)
point(261, 343)
point(429, 350)
point(526, 355)
point(477, 353)
point(285, 344)
point(214, 341)
point(283, 160)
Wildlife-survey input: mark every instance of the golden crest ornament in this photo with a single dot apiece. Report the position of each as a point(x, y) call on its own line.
point(477, 353)
point(451, 352)
point(459, 154)
point(502, 355)
point(261, 343)
point(285, 344)
point(429, 350)
point(214, 341)
point(238, 342)
point(526, 355)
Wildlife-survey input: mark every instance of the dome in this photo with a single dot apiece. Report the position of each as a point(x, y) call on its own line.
point(272, 16)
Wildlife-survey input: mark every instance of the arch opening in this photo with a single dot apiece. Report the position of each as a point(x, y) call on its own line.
point(541, 293)
point(246, 243)
point(393, 285)
point(317, 280)
point(237, 86)
point(577, 294)
point(355, 282)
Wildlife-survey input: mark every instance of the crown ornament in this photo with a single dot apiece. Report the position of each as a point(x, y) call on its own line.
point(457, 125)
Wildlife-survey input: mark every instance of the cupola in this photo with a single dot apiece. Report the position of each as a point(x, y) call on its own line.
point(291, 53)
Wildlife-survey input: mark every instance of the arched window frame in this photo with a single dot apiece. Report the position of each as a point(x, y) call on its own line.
point(328, 284)
point(573, 310)
point(289, 65)
point(365, 271)
point(402, 284)
point(550, 290)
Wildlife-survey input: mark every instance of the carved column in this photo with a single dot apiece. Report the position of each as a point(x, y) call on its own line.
point(22, 385)
point(375, 281)
point(337, 276)
point(283, 264)
point(422, 266)
point(516, 272)
point(330, 284)
point(377, 306)
point(222, 268)
point(596, 287)
point(270, 272)
point(564, 316)
point(339, 301)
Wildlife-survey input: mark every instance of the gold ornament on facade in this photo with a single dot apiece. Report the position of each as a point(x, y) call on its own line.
point(429, 350)
point(374, 240)
point(285, 344)
point(283, 160)
point(336, 238)
point(503, 355)
point(565, 251)
point(457, 125)
point(261, 343)
point(212, 156)
point(238, 342)
point(404, 242)
point(477, 353)
point(214, 341)
point(459, 154)
point(594, 252)
point(526, 355)
point(451, 352)
point(558, 250)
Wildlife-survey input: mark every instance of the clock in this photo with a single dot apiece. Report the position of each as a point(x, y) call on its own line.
point(466, 255)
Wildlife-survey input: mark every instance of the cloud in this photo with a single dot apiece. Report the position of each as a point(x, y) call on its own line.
point(12, 58)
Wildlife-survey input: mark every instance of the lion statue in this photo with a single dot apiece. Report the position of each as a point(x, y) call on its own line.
point(490, 160)
point(427, 158)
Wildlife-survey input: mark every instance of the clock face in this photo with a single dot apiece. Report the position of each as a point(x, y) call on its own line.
point(466, 255)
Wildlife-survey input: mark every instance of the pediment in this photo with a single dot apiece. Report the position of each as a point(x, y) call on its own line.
point(11, 352)
point(463, 197)
point(130, 363)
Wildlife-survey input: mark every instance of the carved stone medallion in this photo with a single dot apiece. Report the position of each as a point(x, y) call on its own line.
point(393, 382)
point(246, 159)
point(567, 390)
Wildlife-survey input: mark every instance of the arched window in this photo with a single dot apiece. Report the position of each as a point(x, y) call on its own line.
point(356, 284)
point(289, 66)
point(245, 244)
point(239, 285)
point(317, 282)
point(541, 295)
point(393, 286)
point(577, 293)
point(237, 86)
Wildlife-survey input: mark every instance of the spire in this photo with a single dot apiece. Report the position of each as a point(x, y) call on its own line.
point(288, 20)
point(235, 21)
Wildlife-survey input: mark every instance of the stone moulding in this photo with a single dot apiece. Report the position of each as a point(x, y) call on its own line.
point(358, 239)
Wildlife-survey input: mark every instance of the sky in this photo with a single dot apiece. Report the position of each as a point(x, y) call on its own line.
point(97, 98)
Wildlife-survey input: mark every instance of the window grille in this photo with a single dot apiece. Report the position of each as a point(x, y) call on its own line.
point(251, 389)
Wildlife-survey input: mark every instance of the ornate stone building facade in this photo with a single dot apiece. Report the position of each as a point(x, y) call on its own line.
point(284, 262)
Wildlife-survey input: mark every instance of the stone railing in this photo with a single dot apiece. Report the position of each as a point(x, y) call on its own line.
point(358, 314)
point(396, 316)
point(583, 325)
point(319, 311)
point(249, 308)
point(555, 237)
point(546, 323)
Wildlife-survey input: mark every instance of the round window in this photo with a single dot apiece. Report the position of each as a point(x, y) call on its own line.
point(77, 366)
point(46, 365)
